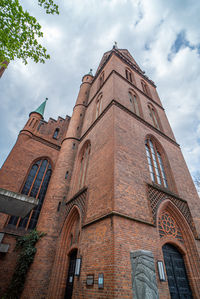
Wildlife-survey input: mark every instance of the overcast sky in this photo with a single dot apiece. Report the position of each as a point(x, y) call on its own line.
point(163, 37)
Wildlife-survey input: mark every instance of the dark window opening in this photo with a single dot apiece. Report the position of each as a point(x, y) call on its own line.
point(55, 135)
point(58, 208)
point(66, 174)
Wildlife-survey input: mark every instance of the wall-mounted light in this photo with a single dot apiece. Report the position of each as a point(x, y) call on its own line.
point(100, 281)
point(78, 267)
point(161, 271)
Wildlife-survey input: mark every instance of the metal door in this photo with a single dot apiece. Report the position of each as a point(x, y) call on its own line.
point(176, 273)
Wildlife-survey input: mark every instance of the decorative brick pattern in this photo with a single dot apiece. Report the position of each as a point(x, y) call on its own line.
point(157, 196)
point(79, 200)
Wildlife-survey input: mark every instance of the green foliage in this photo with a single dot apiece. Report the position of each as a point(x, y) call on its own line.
point(19, 32)
point(26, 245)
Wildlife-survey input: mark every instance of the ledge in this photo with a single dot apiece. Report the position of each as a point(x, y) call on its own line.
point(115, 213)
point(16, 204)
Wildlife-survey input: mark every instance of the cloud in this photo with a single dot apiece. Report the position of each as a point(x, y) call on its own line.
point(163, 37)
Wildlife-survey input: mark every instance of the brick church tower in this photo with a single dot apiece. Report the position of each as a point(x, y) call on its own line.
point(116, 200)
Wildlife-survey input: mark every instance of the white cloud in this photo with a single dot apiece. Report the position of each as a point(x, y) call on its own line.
point(76, 40)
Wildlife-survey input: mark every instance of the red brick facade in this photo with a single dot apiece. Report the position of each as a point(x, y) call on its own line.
point(101, 201)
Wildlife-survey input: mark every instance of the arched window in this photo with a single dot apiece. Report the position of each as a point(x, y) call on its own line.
point(154, 117)
point(55, 135)
point(99, 106)
point(145, 88)
point(84, 166)
point(101, 79)
point(129, 75)
point(155, 162)
point(134, 102)
point(35, 186)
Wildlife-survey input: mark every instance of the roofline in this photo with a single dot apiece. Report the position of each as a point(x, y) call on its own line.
point(118, 54)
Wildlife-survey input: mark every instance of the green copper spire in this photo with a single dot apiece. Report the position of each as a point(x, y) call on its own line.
point(41, 108)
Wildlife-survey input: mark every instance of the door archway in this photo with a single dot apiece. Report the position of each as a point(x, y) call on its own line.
point(176, 273)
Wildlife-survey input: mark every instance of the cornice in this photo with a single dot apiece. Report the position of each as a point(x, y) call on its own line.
point(131, 84)
point(118, 214)
point(68, 138)
point(125, 60)
point(42, 140)
point(119, 105)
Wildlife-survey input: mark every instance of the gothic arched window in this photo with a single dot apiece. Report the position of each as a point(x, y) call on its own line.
point(154, 116)
point(134, 102)
point(84, 166)
point(35, 186)
point(129, 75)
point(145, 88)
point(101, 79)
point(155, 162)
point(98, 106)
point(55, 135)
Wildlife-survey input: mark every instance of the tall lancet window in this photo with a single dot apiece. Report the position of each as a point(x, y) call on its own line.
point(84, 166)
point(99, 106)
point(155, 162)
point(55, 135)
point(101, 79)
point(129, 75)
point(134, 102)
point(154, 116)
point(145, 88)
point(35, 186)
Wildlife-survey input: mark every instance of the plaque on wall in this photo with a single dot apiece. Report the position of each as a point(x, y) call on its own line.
point(90, 280)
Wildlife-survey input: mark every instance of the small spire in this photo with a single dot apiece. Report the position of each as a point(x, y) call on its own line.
point(90, 72)
point(41, 108)
point(115, 45)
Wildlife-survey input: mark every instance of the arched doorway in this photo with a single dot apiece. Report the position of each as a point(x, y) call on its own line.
point(70, 276)
point(176, 273)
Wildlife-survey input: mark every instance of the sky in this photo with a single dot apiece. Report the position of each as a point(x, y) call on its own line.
point(162, 36)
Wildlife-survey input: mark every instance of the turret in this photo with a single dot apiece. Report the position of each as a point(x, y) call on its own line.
point(35, 117)
point(80, 106)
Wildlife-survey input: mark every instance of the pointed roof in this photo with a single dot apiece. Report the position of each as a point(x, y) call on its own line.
point(126, 57)
point(123, 53)
point(41, 108)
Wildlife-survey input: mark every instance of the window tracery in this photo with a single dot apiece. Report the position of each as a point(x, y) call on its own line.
point(35, 186)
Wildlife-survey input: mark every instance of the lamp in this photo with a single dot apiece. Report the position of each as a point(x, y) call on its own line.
point(78, 266)
point(161, 271)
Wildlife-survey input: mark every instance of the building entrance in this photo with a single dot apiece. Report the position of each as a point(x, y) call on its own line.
point(176, 273)
point(70, 276)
